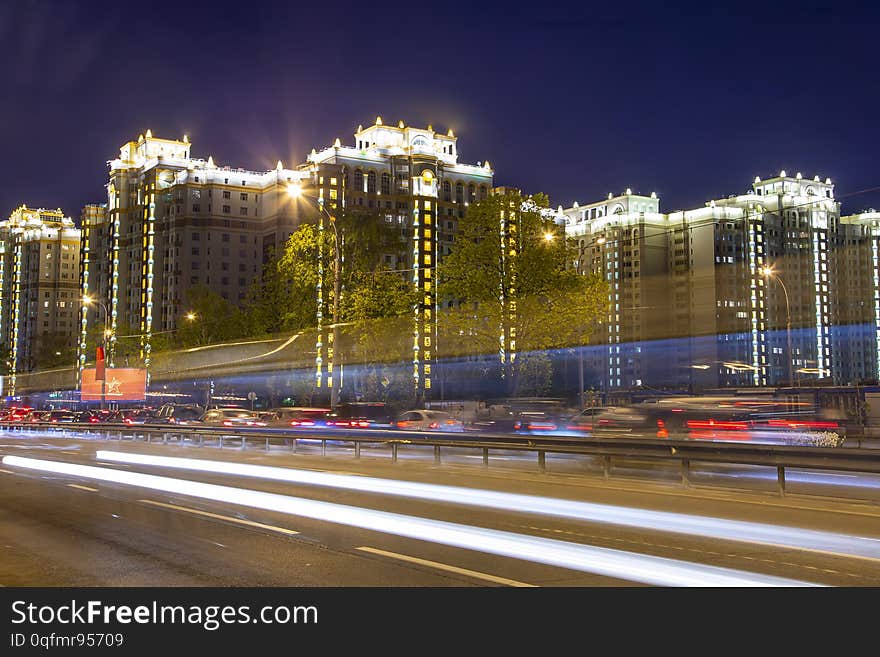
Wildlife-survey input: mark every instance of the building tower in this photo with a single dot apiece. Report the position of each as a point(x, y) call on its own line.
point(412, 177)
point(174, 222)
point(39, 260)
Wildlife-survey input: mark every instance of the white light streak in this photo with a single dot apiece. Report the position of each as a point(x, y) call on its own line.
point(679, 523)
point(603, 561)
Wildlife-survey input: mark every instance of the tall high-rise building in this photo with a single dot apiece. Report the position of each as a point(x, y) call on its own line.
point(727, 281)
point(173, 222)
point(39, 307)
point(412, 177)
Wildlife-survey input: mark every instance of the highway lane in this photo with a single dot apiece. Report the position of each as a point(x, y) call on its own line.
point(824, 483)
point(107, 533)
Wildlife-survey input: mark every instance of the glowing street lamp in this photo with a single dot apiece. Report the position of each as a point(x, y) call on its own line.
point(770, 273)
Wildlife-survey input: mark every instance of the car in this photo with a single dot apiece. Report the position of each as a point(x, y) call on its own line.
point(582, 423)
point(427, 420)
point(361, 415)
point(59, 416)
point(33, 416)
point(182, 414)
point(138, 416)
point(720, 418)
point(299, 417)
point(96, 416)
point(232, 417)
point(17, 413)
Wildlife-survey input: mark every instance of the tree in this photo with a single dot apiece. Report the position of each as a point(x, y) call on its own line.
point(370, 294)
point(513, 289)
point(378, 315)
point(54, 350)
point(216, 319)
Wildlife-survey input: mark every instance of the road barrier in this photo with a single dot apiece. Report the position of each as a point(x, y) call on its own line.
point(686, 452)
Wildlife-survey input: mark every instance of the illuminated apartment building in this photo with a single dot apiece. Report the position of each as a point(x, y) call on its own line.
point(714, 316)
point(39, 265)
point(173, 222)
point(623, 238)
point(412, 178)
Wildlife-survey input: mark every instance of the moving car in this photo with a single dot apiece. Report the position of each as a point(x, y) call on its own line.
point(299, 417)
point(138, 416)
point(16, 413)
point(721, 418)
point(178, 414)
point(361, 415)
point(59, 416)
point(96, 416)
point(232, 417)
point(427, 420)
point(583, 423)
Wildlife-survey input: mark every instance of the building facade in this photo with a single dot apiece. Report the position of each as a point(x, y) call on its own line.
point(173, 222)
point(39, 290)
point(411, 177)
point(770, 287)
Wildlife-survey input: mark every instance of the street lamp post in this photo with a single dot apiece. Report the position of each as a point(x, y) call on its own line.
point(770, 273)
point(295, 191)
point(104, 334)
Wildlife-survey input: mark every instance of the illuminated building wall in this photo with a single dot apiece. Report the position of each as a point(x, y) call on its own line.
point(856, 353)
point(174, 222)
point(93, 276)
point(725, 321)
point(623, 239)
point(412, 178)
point(39, 305)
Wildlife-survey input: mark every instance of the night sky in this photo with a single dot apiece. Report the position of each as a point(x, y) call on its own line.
point(573, 101)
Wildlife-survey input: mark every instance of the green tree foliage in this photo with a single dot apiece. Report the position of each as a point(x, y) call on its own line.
point(372, 298)
point(215, 319)
point(54, 350)
point(531, 293)
point(378, 316)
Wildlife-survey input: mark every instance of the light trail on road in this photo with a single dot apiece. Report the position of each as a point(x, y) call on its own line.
point(643, 568)
point(664, 521)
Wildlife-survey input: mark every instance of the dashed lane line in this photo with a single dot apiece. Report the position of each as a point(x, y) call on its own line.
point(207, 514)
point(442, 566)
point(80, 487)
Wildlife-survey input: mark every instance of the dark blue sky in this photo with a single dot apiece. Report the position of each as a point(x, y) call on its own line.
point(573, 100)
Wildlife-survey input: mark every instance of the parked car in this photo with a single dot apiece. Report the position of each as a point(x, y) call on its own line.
point(298, 417)
point(361, 415)
point(178, 414)
point(427, 420)
point(232, 417)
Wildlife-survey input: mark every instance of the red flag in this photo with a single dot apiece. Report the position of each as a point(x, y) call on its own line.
point(100, 373)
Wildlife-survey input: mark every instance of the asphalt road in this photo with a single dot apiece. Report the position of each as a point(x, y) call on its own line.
point(79, 530)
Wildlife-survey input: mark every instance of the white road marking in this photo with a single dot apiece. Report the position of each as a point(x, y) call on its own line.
point(88, 488)
point(442, 566)
point(240, 521)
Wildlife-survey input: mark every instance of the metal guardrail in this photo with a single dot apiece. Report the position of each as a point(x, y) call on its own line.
point(780, 457)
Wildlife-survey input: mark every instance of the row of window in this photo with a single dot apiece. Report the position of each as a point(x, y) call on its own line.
point(242, 211)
